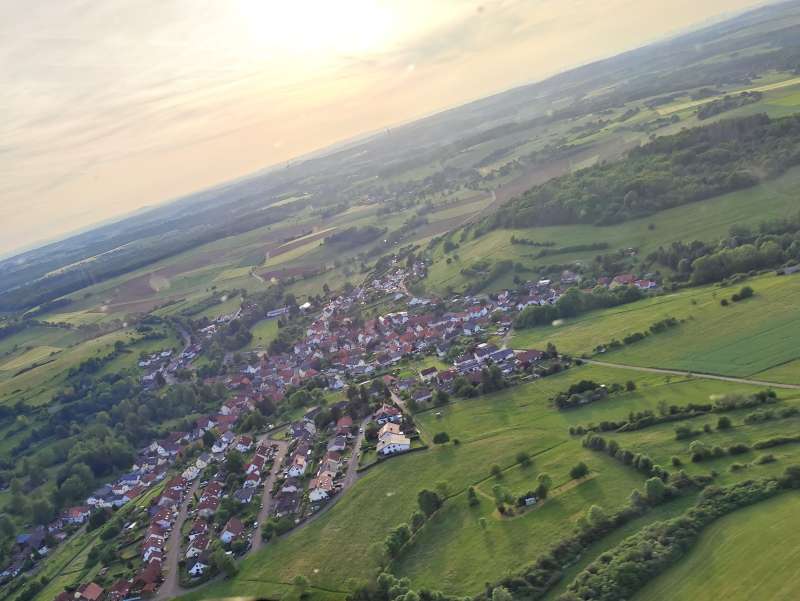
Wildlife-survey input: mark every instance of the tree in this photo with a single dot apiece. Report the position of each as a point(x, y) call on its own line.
point(496, 471)
point(442, 489)
point(545, 482)
point(597, 516)
point(428, 502)
point(396, 539)
point(224, 564)
point(417, 520)
point(472, 497)
point(654, 490)
point(501, 593)
point(42, 511)
point(442, 398)
point(441, 438)
point(578, 471)
point(234, 462)
point(6, 527)
point(724, 423)
point(523, 458)
point(630, 385)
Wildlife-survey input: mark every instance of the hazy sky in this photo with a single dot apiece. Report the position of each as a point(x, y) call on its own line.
point(111, 105)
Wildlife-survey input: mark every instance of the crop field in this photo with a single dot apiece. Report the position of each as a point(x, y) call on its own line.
point(453, 551)
point(34, 355)
point(749, 554)
point(706, 220)
point(742, 339)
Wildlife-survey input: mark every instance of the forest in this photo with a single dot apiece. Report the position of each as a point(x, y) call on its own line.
point(670, 171)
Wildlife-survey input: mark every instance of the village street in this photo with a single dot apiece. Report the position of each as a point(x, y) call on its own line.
point(266, 500)
point(171, 587)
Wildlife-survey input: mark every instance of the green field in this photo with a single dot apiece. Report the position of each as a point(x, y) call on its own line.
point(743, 339)
point(706, 220)
point(263, 332)
point(34, 355)
point(453, 552)
point(749, 554)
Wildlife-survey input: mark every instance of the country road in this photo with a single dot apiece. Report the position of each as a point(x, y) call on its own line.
point(693, 374)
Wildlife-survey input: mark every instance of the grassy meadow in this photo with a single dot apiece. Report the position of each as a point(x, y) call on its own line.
point(745, 339)
point(749, 554)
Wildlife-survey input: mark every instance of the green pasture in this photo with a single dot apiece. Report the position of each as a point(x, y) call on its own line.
point(750, 554)
point(264, 332)
point(743, 339)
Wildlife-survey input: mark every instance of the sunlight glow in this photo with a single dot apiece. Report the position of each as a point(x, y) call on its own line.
point(318, 29)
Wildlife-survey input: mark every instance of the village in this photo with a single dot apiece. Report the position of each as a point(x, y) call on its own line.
point(228, 488)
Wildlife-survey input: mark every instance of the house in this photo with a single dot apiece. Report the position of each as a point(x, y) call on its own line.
point(244, 495)
point(428, 374)
point(483, 351)
point(162, 518)
point(118, 591)
point(287, 504)
point(76, 515)
point(203, 461)
point(421, 395)
point(207, 507)
point(569, 277)
point(197, 546)
point(252, 480)
point(391, 444)
point(198, 566)
point(528, 357)
point(290, 485)
point(321, 487)
point(199, 528)
point(623, 279)
point(233, 530)
point(387, 413)
point(502, 355)
point(90, 592)
point(147, 580)
point(244, 444)
point(298, 467)
point(339, 443)
point(343, 425)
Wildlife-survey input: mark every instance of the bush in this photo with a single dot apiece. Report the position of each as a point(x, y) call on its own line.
point(724, 302)
point(578, 471)
point(523, 458)
point(723, 423)
point(496, 471)
point(441, 438)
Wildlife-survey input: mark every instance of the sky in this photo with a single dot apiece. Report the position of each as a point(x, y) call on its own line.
point(111, 106)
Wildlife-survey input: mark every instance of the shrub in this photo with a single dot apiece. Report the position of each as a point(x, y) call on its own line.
point(723, 423)
point(578, 471)
point(724, 302)
point(441, 438)
point(496, 471)
point(523, 458)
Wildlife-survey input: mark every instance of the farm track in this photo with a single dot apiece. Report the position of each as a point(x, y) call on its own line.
point(693, 374)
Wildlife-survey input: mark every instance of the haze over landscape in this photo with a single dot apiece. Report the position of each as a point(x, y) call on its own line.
point(110, 107)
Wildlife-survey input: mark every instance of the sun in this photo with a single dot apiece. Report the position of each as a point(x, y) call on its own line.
point(317, 28)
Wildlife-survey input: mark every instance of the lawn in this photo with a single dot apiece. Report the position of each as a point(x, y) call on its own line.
point(750, 554)
point(453, 552)
point(743, 339)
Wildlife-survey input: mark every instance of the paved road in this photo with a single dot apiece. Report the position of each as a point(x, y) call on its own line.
point(692, 374)
point(266, 499)
point(171, 587)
